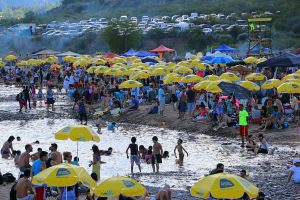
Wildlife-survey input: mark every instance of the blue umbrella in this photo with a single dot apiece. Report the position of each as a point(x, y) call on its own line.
point(207, 58)
point(220, 60)
point(238, 91)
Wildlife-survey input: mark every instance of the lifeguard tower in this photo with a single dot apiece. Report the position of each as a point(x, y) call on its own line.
point(260, 37)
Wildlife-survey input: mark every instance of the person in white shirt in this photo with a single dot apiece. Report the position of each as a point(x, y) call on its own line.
point(295, 171)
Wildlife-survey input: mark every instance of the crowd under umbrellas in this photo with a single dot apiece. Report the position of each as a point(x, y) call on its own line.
point(123, 84)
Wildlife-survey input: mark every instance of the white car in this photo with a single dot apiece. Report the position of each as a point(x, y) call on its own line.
point(207, 30)
point(48, 32)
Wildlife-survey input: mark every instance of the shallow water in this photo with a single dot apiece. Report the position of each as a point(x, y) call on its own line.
point(204, 151)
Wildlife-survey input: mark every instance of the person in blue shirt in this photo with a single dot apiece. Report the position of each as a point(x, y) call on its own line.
point(162, 100)
point(134, 104)
point(82, 110)
point(154, 108)
point(112, 126)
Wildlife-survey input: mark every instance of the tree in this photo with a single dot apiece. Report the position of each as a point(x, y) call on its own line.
point(29, 17)
point(121, 36)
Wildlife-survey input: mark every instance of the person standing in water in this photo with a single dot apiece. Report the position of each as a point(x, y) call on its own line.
point(134, 154)
point(157, 154)
point(180, 150)
point(243, 122)
point(7, 148)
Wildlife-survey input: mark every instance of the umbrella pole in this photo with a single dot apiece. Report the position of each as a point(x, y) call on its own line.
point(66, 193)
point(77, 149)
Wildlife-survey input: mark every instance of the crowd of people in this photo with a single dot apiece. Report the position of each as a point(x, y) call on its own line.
point(89, 92)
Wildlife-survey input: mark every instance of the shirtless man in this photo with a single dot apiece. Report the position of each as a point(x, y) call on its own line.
point(24, 159)
point(24, 187)
point(36, 155)
point(180, 150)
point(157, 154)
point(173, 93)
point(53, 149)
point(7, 148)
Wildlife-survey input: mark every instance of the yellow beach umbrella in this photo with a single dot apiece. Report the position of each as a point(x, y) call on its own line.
point(291, 81)
point(191, 79)
point(117, 185)
point(159, 71)
point(224, 186)
point(290, 88)
point(2, 64)
point(91, 70)
point(292, 76)
point(251, 60)
point(202, 85)
point(202, 66)
point(213, 87)
point(297, 72)
point(212, 78)
point(229, 76)
point(261, 60)
point(69, 59)
point(271, 83)
point(78, 133)
point(51, 59)
point(114, 72)
point(22, 63)
point(255, 77)
point(183, 70)
point(183, 63)
point(10, 58)
point(141, 74)
point(63, 175)
point(249, 85)
point(98, 61)
point(100, 70)
point(130, 84)
point(171, 78)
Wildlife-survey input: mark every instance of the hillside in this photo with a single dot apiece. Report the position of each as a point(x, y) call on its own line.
point(24, 3)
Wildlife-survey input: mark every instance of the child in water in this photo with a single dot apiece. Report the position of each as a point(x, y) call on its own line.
point(180, 150)
point(112, 126)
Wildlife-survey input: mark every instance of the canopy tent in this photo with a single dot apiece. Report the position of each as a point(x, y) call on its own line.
point(43, 53)
point(225, 49)
point(110, 55)
point(162, 49)
point(257, 48)
point(142, 54)
point(68, 53)
point(129, 53)
point(283, 60)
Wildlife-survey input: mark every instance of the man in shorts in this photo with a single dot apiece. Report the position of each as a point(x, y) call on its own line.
point(156, 154)
point(191, 98)
point(173, 95)
point(134, 154)
point(243, 122)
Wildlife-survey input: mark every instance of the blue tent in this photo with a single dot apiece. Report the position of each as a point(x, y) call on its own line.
point(142, 54)
point(129, 53)
point(257, 48)
point(225, 49)
point(220, 60)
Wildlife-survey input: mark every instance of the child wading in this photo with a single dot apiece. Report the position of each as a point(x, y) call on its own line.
point(180, 150)
point(82, 111)
point(134, 154)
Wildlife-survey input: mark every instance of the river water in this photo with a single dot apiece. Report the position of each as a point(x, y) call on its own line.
point(204, 151)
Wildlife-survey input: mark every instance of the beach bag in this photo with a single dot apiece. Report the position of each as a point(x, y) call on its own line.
point(18, 97)
point(8, 178)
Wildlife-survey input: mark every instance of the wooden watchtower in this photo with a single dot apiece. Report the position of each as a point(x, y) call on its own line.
point(260, 37)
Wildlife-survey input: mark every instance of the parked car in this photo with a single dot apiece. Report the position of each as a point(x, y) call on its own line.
point(207, 30)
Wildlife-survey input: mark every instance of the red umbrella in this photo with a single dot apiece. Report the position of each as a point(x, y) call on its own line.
point(110, 55)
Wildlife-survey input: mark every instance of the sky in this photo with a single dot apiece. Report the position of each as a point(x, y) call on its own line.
point(26, 3)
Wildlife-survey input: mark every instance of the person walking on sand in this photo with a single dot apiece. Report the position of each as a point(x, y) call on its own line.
point(156, 154)
point(243, 122)
point(24, 187)
point(173, 93)
point(180, 150)
point(134, 154)
point(82, 111)
point(162, 100)
point(50, 98)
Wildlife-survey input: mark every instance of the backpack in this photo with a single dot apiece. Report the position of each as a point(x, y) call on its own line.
point(8, 178)
point(18, 97)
